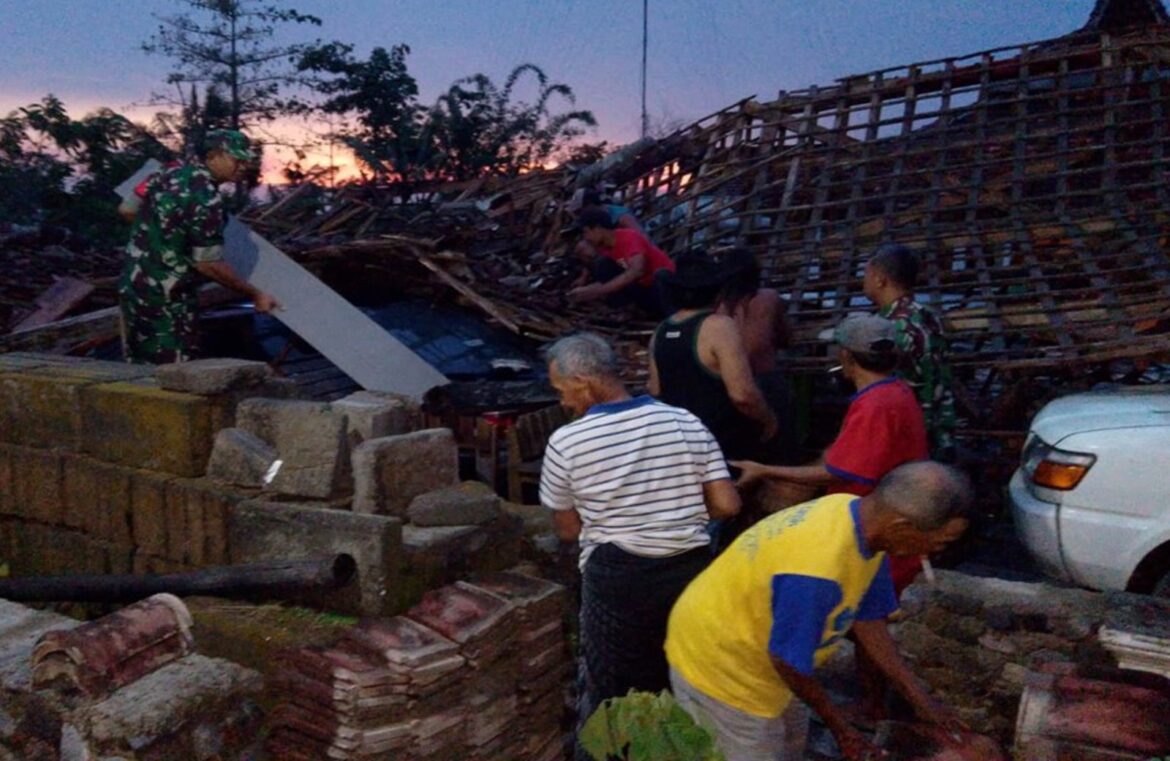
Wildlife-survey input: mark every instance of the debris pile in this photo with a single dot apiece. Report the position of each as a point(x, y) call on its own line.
point(474, 671)
point(124, 686)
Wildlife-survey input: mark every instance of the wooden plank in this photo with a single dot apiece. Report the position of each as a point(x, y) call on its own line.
point(63, 295)
point(360, 347)
point(466, 290)
point(60, 336)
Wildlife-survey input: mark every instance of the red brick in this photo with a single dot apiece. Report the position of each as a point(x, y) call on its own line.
point(7, 507)
point(148, 503)
point(197, 515)
point(36, 479)
point(146, 564)
point(97, 498)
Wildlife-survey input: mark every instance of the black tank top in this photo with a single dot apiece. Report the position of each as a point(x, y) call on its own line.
point(684, 381)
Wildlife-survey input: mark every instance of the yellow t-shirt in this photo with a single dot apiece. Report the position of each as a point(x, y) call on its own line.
point(791, 586)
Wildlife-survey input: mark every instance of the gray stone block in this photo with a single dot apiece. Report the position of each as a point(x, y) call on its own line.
point(273, 531)
point(212, 376)
point(239, 457)
point(176, 699)
point(470, 503)
point(310, 440)
point(390, 472)
point(373, 416)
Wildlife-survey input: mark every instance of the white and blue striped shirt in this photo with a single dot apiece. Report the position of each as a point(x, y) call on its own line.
point(634, 470)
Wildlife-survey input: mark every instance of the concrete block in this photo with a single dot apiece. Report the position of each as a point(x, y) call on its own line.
point(310, 440)
point(239, 457)
point(197, 514)
point(97, 499)
point(41, 410)
point(37, 485)
point(270, 531)
point(148, 524)
point(145, 427)
point(212, 376)
point(469, 503)
point(438, 555)
point(390, 472)
point(168, 707)
point(373, 416)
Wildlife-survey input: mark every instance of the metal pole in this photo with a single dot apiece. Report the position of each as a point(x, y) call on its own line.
point(645, 28)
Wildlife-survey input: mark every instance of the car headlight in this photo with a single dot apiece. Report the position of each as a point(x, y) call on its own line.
point(1052, 468)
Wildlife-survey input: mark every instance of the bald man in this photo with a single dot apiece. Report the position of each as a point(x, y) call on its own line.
point(744, 638)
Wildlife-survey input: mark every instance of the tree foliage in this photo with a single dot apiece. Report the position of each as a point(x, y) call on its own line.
point(227, 48)
point(475, 128)
point(60, 170)
point(381, 97)
point(480, 128)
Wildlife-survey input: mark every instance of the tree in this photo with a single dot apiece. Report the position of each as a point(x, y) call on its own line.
point(479, 128)
point(59, 170)
point(381, 97)
point(226, 45)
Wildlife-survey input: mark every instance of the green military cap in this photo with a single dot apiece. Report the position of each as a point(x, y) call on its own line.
point(232, 142)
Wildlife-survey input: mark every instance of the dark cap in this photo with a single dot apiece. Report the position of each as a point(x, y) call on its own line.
point(232, 142)
point(866, 334)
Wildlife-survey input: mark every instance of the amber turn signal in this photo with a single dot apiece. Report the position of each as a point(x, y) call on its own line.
point(1055, 475)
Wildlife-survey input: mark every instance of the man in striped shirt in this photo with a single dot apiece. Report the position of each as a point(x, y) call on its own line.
point(634, 481)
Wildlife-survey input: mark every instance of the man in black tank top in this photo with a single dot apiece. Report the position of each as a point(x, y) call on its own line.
point(698, 362)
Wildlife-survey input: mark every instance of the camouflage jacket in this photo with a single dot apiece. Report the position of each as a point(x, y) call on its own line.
point(179, 223)
point(923, 364)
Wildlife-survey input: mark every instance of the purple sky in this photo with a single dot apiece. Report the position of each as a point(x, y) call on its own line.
point(703, 55)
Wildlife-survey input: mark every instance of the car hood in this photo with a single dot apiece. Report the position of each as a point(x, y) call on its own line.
point(1137, 407)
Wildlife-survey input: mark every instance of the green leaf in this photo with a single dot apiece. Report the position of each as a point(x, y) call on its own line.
point(643, 726)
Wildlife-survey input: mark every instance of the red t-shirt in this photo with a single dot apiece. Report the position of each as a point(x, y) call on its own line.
point(883, 429)
point(629, 243)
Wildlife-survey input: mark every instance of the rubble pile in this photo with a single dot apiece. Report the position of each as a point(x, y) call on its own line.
point(474, 671)
point(125, 686)
point(979, 642)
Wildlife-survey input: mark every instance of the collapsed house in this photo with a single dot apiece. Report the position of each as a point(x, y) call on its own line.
point(1031, 179)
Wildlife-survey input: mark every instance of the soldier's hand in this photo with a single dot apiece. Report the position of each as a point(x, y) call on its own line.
point(266, 302)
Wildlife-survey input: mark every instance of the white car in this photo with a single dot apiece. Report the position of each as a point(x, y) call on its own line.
point(1091, 499)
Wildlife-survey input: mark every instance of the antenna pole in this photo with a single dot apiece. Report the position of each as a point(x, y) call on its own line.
point(645, 28)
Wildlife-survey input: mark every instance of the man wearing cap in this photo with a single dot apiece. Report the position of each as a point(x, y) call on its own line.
point(178, 236)
point(883, 429)
point(628, 268)
point(883, 426)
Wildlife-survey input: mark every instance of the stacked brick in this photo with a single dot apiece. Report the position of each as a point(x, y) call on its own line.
point(100, 470)
point(472, 672)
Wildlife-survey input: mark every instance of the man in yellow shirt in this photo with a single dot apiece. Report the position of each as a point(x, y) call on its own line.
point(746, 634)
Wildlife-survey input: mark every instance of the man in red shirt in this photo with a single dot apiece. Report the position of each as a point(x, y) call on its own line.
point(629, 267)
point(883, 426)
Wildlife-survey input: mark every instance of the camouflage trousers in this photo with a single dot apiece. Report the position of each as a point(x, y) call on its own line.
point(158, 333)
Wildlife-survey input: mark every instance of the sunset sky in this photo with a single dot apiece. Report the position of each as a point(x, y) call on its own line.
point(702, 55)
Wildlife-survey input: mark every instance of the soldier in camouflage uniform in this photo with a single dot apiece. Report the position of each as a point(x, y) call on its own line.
point(889, 282)
point(176, 242)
